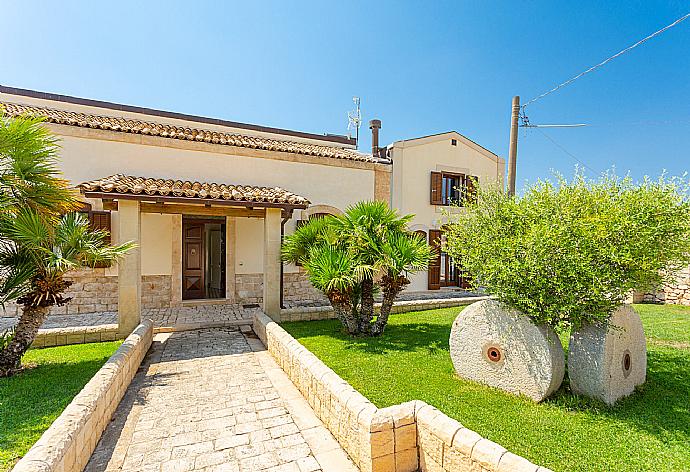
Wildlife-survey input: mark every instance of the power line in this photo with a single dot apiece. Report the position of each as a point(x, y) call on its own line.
point(568, 152)
point(606, 61)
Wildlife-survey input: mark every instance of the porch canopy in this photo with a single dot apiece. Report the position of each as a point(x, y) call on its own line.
point(130, 196)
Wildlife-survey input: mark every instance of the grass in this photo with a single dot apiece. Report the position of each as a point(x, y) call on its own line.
point(31, 400)
point(649, 430)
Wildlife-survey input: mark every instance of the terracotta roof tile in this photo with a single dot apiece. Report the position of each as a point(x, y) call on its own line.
point(126, 125)
point(127, 184)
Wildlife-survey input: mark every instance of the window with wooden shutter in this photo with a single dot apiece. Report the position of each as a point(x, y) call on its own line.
point(100, 220)
point(434, 273)
point(436, 188)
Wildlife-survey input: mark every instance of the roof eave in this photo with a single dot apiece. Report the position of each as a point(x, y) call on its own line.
point(193, 201)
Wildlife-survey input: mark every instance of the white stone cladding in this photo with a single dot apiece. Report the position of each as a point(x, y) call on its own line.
point(94, 291)
point(677, 293)
point(296, 287)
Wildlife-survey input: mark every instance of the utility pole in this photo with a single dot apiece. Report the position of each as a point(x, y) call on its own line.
point(512, 150)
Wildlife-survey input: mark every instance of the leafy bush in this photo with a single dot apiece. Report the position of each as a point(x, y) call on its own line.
point(569, 252)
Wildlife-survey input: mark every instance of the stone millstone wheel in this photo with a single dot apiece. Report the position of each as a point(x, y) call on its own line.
point(503, 348)
point(608, 362)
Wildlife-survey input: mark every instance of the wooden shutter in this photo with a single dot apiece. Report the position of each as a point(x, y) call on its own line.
point(100, 220)
point(434, 282)
point(436, 188)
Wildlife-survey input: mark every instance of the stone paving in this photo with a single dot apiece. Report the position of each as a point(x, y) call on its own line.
point(213, 400)
point(67, 321)
point(189, 317)
point(203, 313)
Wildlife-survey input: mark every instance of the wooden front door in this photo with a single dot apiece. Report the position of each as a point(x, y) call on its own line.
point(434, 274)
point(193, 260)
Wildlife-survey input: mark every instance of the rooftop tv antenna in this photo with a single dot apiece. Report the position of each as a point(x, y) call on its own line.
point(354, 119)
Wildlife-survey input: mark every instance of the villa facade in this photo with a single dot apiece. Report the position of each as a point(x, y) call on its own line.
point(207, 201)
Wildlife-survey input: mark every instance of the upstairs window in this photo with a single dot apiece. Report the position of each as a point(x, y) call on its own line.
point(449, 188)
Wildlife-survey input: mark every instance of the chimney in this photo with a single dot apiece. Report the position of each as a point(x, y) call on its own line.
point(375, 126)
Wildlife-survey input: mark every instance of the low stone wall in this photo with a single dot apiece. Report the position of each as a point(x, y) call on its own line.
point(296, 287)
point(403, 438)
point(677, 293)
point(76, 335)
point(93, 291)
point(307, 313)
point(72, 438)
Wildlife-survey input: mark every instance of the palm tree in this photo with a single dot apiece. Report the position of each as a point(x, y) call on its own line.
point(348, 257)
point(29, 176)
point(403, 254)
point(41, 238)
point(47, 248)
point(366, 227)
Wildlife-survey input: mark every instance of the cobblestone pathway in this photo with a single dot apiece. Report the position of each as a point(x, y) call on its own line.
point(221, 313)
point(212, 400)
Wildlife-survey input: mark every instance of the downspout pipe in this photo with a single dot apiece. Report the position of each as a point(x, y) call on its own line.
point(282, 265)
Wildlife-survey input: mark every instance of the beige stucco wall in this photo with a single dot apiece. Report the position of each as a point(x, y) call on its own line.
point(86, 159)
point(249, 246)
point(413, 162)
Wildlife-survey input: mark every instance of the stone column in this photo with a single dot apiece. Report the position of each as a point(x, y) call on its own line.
point(272, 263)
point(129, 268)
point(230, 258)
point(176, 266)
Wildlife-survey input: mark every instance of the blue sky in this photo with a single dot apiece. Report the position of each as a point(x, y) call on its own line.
point(421, 67)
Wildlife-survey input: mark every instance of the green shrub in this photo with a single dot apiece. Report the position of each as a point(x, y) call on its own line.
point(569, 252)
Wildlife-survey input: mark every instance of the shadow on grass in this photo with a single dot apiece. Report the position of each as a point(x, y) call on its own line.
point(660, 406)
point(430, 337)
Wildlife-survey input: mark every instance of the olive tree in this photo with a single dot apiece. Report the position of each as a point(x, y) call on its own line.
point(569, 252)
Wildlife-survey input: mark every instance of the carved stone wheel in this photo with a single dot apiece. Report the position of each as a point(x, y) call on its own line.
point(608, 362)
point(502, 348)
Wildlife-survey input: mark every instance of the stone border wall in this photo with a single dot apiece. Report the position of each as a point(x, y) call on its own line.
point(677, 293)
point(76, 335)
point(69, 442)
point(93, 291)
point(403, 306)
point(403, 438)
point(296, 286)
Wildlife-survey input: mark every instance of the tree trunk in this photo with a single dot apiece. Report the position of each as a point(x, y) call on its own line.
point(367, 305)
point(386, 305)
point(343, 311)
point(392, 286)
point(11, 357)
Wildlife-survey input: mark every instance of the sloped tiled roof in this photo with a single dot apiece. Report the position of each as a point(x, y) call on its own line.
point(127, 125)
point(127, 184)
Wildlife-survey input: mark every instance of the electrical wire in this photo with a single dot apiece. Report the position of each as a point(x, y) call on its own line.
point(606, 61)
point(568, 152)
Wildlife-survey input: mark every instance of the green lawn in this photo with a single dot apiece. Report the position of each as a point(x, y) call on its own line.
point(33, 399)
point(647, 431)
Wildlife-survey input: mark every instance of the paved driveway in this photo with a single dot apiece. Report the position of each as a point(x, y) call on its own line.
point(213, 400)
